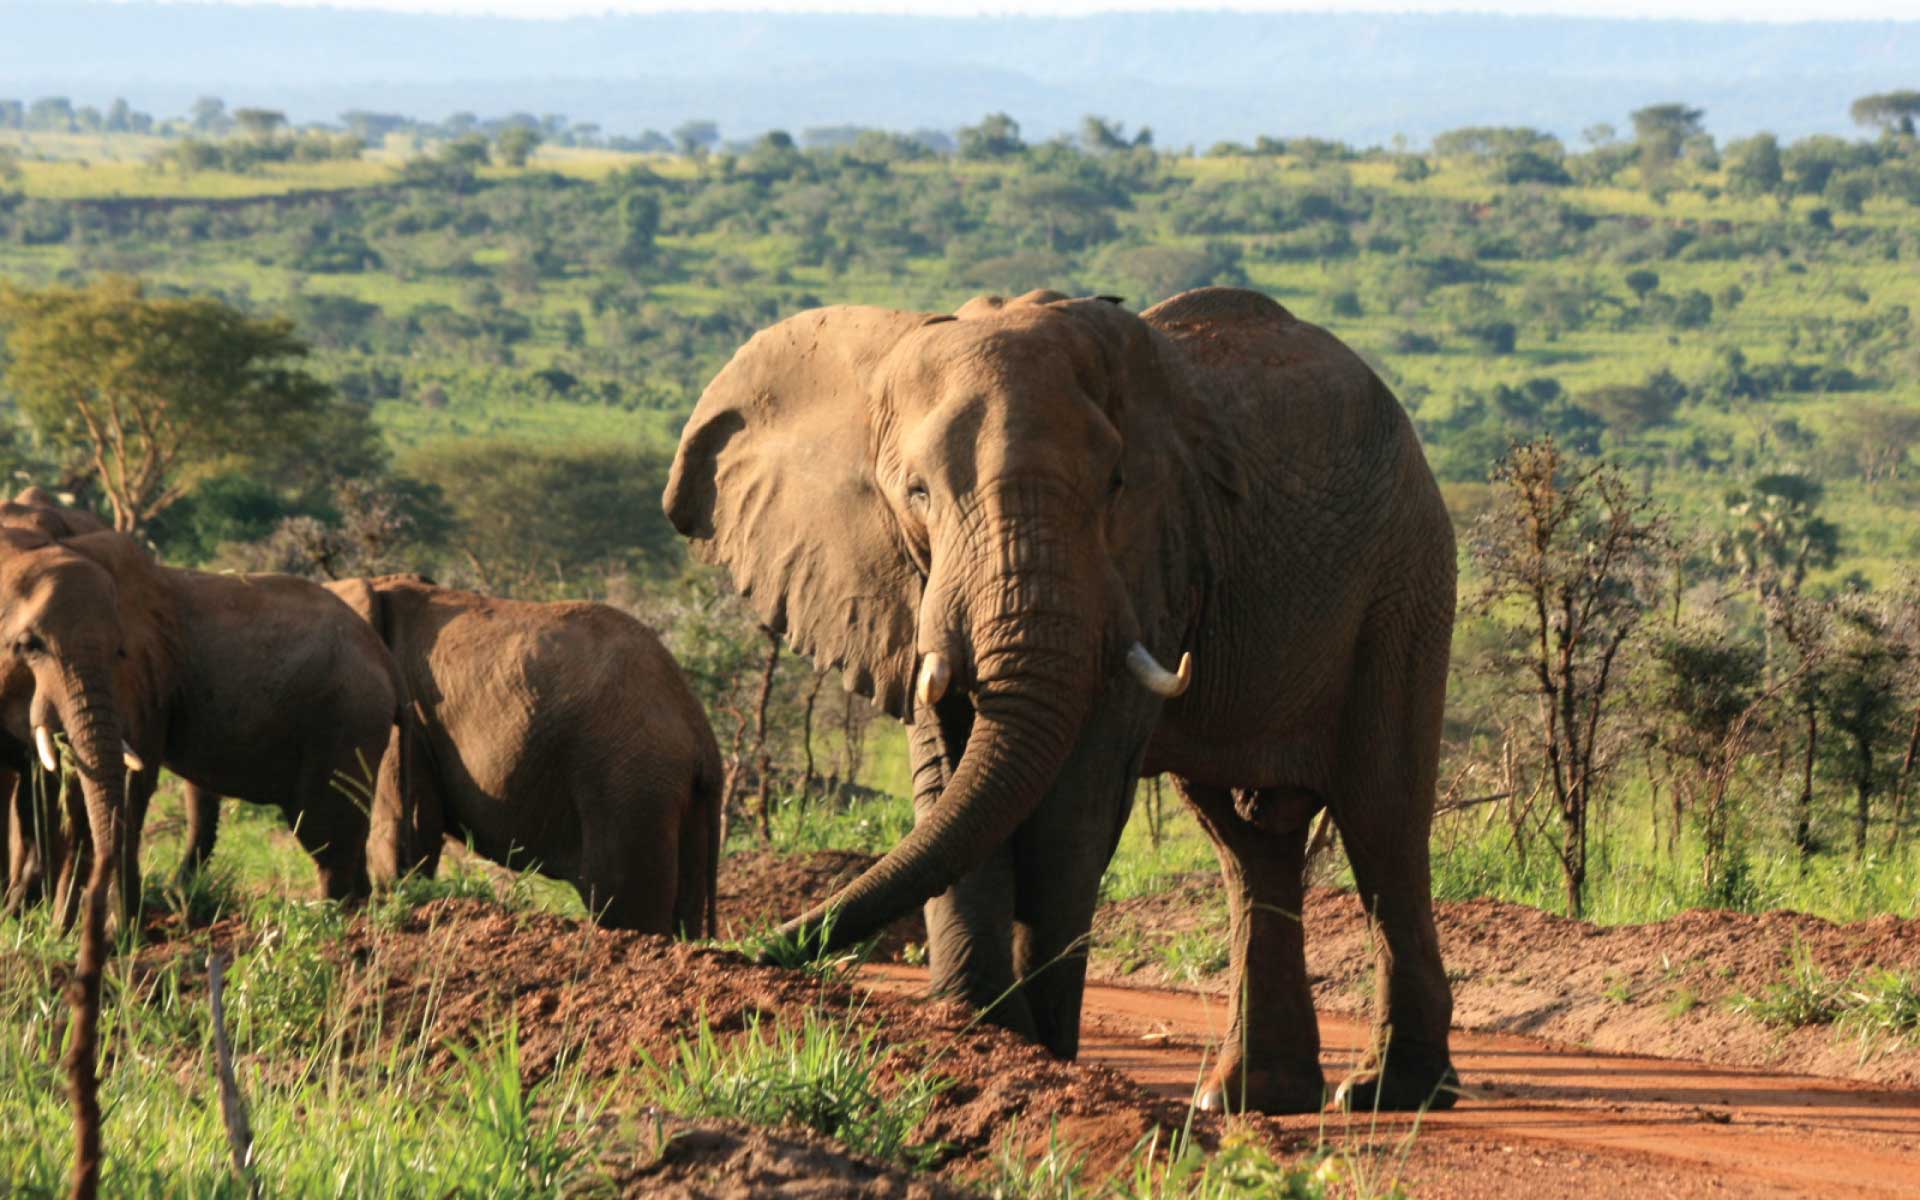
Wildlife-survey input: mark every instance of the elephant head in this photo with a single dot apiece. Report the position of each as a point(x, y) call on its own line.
point(976, 509)
point(63, 655)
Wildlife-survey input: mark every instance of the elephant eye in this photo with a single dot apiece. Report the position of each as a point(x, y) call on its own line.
point(1119, 481)
point(917, 493)
point(28, 643)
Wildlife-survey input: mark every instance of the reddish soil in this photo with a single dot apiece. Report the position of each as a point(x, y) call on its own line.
point(1546, 1119)
point(1643, 989)
point(759, 888)
point(458, 969)
point(1541, 1119)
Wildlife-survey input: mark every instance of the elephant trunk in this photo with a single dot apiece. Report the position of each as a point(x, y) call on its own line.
point(1034, 654)
point(85, 705)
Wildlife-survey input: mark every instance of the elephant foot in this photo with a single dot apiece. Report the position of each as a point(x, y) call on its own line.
point(1233, 1088)
point(1409, 1082)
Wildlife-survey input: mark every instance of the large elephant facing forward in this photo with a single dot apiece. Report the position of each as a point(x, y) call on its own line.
point(1002, 522)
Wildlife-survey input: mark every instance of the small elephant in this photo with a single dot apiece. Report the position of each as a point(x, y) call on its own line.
point(1002, 523)
point(263, 687)
point(558, 736)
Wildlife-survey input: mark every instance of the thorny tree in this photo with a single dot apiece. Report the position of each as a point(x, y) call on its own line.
point(1567, 551)
point(156, 393)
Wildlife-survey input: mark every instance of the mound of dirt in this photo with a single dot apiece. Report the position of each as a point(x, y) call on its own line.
point(759, 888)
point(456, 970)
point(722, 1160)
point(1660, 989)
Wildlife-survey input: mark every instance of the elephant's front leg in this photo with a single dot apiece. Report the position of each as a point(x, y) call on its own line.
point(1061, 854)
point(1270, 1059)
point(970, 925)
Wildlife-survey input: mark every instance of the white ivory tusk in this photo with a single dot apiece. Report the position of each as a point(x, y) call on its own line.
point(43, 742)
point(935, 675)
point(132, 758)
point(1156, 678)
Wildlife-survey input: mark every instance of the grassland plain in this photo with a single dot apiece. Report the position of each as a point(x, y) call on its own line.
point(588, 297)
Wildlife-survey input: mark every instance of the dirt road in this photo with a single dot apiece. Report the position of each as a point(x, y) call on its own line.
point(1553, 1120)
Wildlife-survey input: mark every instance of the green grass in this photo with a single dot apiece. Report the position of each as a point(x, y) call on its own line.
point(335, 1110)
point(829, 1075)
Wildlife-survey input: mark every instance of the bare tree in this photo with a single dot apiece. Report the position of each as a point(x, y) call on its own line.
point(1568, 552)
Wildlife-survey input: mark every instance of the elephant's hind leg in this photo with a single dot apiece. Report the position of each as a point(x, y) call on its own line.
point(1270, 1059)
point(1388, 760)
point(203, 827)
point(630, 876)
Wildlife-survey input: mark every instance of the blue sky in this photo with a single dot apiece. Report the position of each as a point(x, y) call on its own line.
point(1765, 10)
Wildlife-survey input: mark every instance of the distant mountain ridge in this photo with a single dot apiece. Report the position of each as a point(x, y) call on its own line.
point(1194, 77)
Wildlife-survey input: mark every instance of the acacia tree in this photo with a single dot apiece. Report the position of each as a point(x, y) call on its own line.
point(1566, 552)
point(1709, 704)
point(155, 395)
point(1865, 698)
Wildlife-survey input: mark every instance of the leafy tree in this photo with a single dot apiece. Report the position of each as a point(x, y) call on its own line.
point(155, 395)
point(1754, 167)
point(1566, 551)
point(516, 144)
point(533, 520)
point(466, 152)
point(1641, 282)
point(696, 137)
point(996, 136)
point(1660, 131)
point(1890, 112)
point(1878, 439)
point(208, 115)
point(1708, 697)
point(1866, 698)
point(1101, 136)
point(259, 123)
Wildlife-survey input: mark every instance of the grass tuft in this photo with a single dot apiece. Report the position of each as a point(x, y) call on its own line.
point(825, 1075)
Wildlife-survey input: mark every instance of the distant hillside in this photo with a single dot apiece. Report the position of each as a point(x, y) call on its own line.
point(1194, 77)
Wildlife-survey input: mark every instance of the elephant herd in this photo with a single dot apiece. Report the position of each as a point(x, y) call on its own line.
point(1000, 524)
point(378, 715)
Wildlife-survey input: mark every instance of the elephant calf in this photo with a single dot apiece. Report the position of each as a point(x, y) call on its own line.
point(557, 736)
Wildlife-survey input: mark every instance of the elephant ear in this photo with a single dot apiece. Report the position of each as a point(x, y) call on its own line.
point(775, 481)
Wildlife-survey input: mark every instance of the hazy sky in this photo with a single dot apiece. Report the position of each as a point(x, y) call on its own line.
point(1766, 10)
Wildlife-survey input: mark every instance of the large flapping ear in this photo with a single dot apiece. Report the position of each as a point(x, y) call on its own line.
point(1153, 401)
point(775, 480)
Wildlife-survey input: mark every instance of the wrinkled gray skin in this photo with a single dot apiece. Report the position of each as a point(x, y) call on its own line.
point(558, 736)
point(1027, 490)
point(263, 687)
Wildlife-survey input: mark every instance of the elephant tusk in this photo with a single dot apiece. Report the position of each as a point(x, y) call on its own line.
point(132, 758)
point(1156, 678)
point(43, 742)
point(935, 675)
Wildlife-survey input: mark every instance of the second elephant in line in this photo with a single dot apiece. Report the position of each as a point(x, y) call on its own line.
point(561, 737)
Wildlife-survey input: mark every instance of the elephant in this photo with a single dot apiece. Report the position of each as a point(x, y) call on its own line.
point(563, 736)
point(264, 687)
point(1001, 523)
point(29, 823)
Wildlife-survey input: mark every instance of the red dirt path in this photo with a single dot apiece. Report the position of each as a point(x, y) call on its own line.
point(1578, 1123)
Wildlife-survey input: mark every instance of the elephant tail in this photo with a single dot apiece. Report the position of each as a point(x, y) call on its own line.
point(697, 905)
